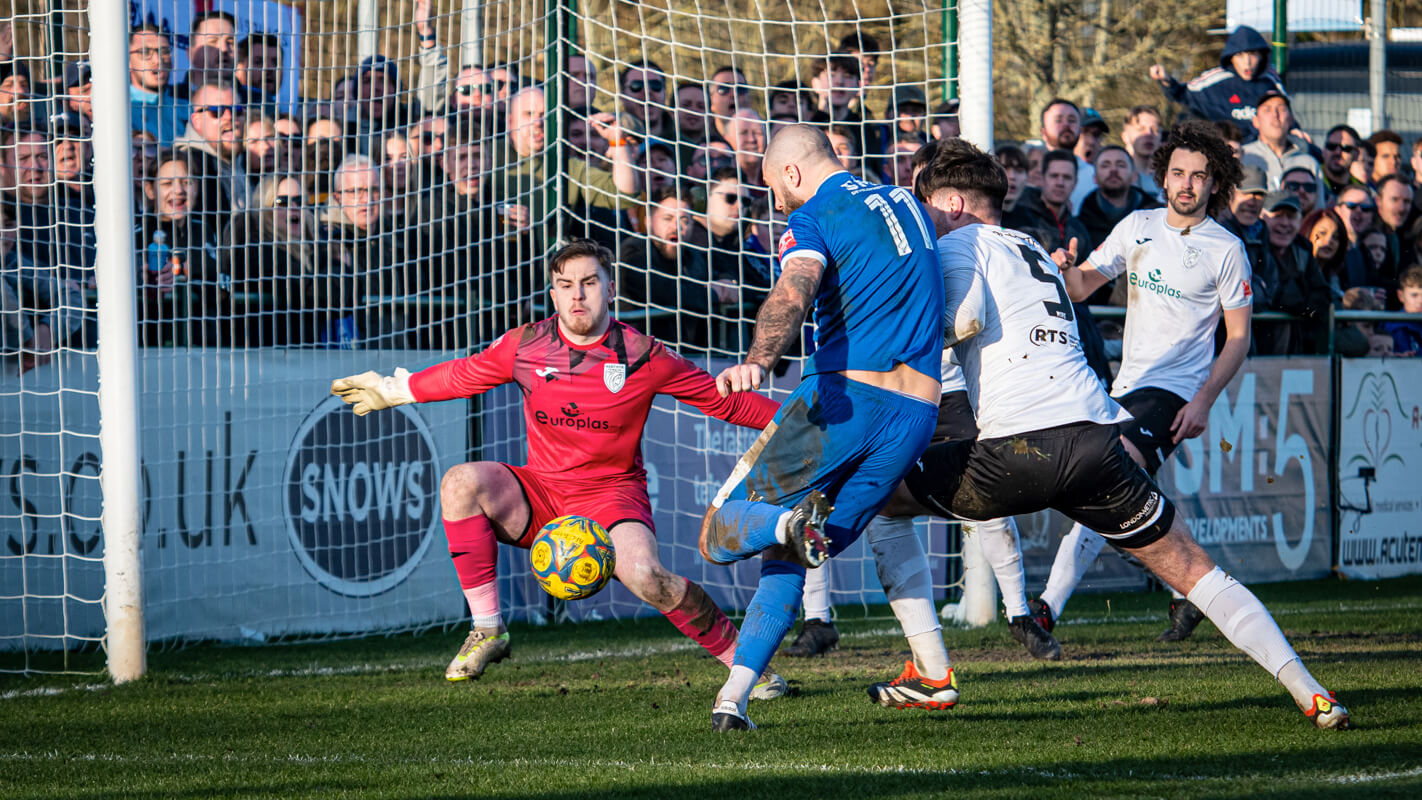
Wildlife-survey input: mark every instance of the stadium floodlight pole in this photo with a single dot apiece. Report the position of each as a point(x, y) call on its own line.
point(1377, 62)
point(471, 26)
point(367, 28)
point(118, 343)
point(975, 71)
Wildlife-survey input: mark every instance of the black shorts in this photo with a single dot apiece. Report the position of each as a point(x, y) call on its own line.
point(1081, 470)
point(1154, 411)
point(956, 420)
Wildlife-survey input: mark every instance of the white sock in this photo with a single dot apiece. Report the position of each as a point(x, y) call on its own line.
point(738, 687)
point(930, 657)
point(816, 597)
point(1248, 625)
point(904, 573)
point(782, 528)
point(1075, 555)
point(1003, 550)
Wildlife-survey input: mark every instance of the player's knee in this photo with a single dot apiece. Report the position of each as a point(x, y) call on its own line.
point(651, 582)
point(458, 490)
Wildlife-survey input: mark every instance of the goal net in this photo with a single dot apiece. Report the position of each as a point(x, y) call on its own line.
point(327, 188)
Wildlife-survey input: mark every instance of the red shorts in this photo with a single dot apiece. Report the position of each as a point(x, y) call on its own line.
point(607, 502)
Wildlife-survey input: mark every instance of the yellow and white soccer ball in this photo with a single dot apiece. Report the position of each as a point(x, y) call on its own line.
point(572, 557)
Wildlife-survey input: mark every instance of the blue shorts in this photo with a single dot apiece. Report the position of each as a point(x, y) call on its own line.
point(852, 441)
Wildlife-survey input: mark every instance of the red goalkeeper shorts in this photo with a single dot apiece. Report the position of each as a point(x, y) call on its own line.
point(606, 501)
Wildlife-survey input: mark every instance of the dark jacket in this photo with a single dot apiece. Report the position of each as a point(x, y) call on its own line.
point(271, 285)
point(1220, 94)
point(191, 311)
point(675, 291)
point(1099, 216)
point(360, 277)
point(1295, 285)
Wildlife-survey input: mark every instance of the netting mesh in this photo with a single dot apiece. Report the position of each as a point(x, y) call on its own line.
point(326, 188)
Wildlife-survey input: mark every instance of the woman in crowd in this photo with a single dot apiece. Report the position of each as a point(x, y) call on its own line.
point(179, 301)
point(268, 253)
point(1324, 234)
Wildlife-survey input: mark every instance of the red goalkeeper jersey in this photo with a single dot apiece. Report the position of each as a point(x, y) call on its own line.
point(586, 405)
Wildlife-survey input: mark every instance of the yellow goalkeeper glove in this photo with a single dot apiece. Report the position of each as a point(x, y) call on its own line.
point(371, 391)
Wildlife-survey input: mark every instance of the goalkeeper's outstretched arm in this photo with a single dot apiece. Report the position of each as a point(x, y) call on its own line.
point(371, 391)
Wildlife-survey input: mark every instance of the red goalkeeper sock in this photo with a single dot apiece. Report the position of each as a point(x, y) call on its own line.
point(703, 622)
point(475, 551)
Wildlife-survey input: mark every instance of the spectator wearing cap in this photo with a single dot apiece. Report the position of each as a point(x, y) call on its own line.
point(78, 89)
point(74, 195)
point(1387, 154)
point(1341, 150)
point(378, 106)
point(213, 146)
point(790, 97)
point(14, 93)
point(259, 71)
point(1113, 197)
point(1231, 91)
point(1302, 178)
point(1092, 137)
point(1295, 286)
point(945, 121)
point(150, 64)
point(1241, 217)
point(908, 112)
point(1141, 136)
point(40, 311)
point(1273, 119)
point(643, 88)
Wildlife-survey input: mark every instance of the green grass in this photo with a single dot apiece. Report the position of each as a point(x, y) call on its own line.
point(623, 709)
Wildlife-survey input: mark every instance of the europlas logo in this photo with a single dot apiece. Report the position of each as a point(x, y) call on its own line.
point(361, 497)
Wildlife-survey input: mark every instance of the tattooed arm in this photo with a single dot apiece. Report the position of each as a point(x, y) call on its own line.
point(777, 325)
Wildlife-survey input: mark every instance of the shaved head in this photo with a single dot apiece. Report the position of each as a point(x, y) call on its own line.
point(798, 159)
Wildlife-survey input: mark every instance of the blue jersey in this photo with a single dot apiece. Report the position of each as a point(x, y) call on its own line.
point(880, 301)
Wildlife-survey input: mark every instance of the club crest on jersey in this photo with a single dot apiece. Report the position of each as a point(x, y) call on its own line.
point(614, 377)
point(1192, 257)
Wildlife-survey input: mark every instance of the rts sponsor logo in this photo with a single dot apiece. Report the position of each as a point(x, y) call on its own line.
point(1043, 336)
point(361, 497)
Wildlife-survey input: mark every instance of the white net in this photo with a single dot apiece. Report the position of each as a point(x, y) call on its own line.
point(326, 188)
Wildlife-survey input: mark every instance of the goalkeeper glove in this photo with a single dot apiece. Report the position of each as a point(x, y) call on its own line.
point(371, 391)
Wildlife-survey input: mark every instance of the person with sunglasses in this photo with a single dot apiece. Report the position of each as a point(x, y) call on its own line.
point(644, 96)
point(728, 210)
point(213, 144)
point(1302, 179)
point(1358, 208)
point(267, 255)
point(728, 92)
point(154, 107)
point(1340, 151)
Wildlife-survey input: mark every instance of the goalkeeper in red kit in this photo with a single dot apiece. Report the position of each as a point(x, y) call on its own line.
point(588, 383)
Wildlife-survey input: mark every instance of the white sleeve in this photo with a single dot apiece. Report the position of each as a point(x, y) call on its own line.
point(1233, 281)
point(964, 306)
point(1109, 257)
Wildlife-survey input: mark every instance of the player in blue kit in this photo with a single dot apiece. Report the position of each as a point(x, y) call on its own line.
point(864, 256)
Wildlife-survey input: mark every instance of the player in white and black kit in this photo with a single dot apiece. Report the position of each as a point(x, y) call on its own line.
point(1183, 271)
point(1048, 431)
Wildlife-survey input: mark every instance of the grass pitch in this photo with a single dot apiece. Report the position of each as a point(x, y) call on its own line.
point(623, 710)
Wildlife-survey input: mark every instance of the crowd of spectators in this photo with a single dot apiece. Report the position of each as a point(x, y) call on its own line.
point(395, 215)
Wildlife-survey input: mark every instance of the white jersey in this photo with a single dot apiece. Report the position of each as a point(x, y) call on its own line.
point(1177, 285)
point(950, 374)
point(1024, 370)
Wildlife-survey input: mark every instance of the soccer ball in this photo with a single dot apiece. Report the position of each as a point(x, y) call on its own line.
point(572, 557)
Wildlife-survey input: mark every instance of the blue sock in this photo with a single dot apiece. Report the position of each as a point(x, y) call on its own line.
point(750, 529)
point(770, 614)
